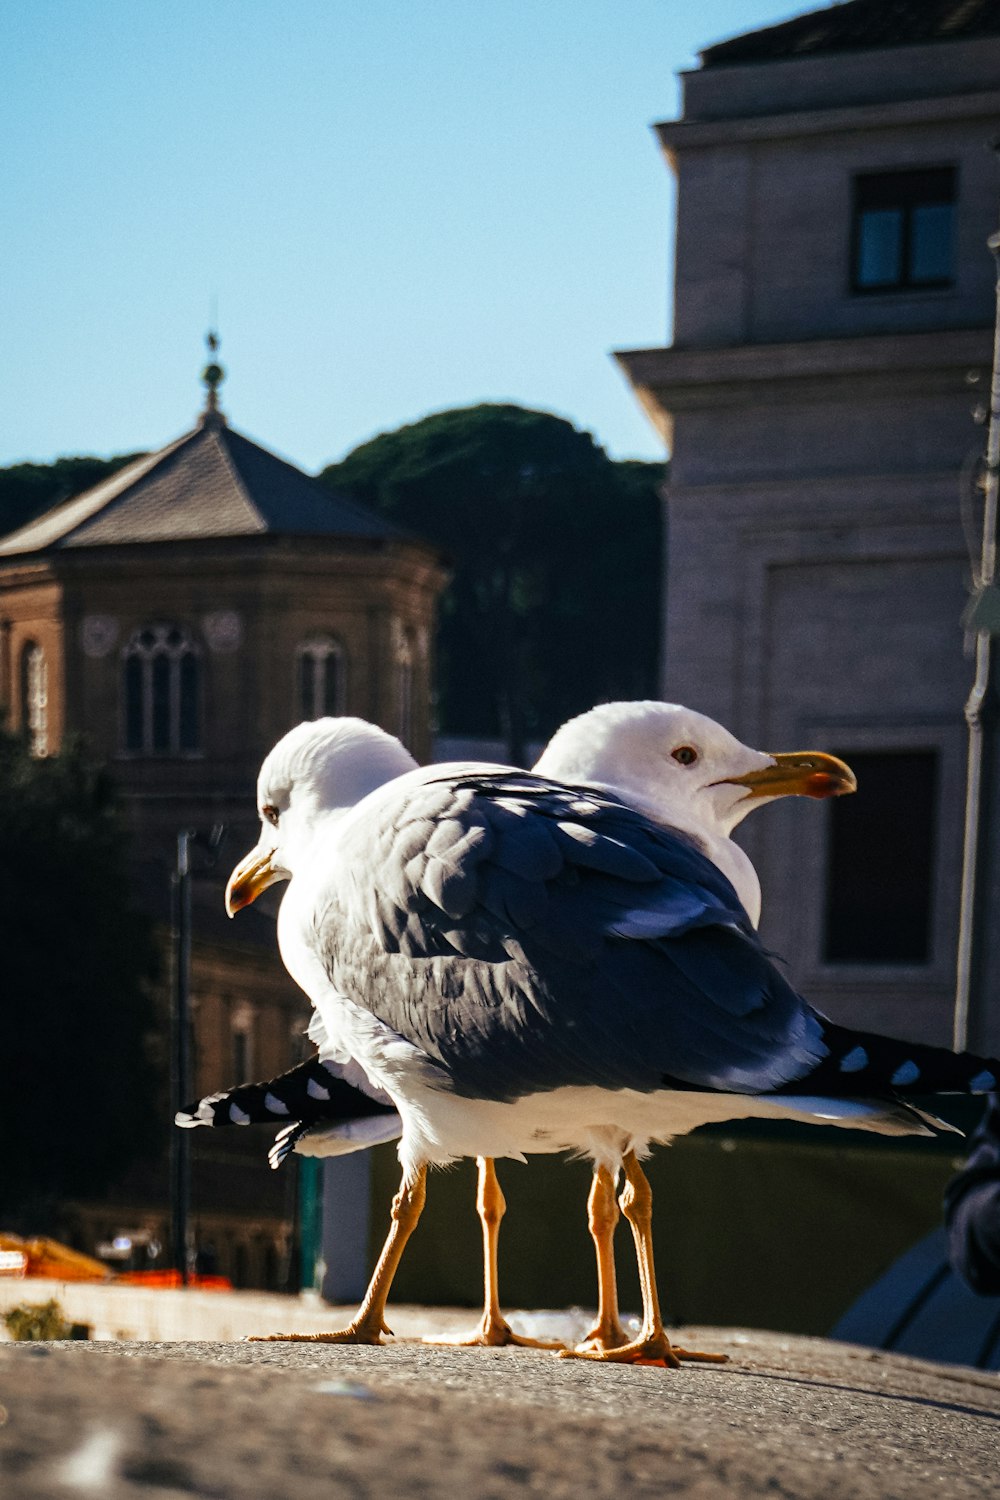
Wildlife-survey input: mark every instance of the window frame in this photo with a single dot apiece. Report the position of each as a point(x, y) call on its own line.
point(321, 647)
point(931, 756)
point(33, 684)
point(243, 1025)
point(812, 862)
point(180, 656)
point(877, 185)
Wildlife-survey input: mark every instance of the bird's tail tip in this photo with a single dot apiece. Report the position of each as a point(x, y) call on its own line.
point(860, 1060)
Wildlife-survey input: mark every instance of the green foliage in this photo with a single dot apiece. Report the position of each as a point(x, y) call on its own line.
point(26, 490)
point(556, 554)
point(76, 1079)
point(34, 1322)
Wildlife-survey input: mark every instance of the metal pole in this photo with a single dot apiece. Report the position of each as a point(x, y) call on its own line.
point(310, 1223)
point(180, 1060)
point(980, 715)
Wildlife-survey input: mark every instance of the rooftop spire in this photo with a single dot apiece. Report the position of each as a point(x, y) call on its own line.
point(212, 377)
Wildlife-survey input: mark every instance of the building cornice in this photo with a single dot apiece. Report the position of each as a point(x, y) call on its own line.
point(211, 551)
point(672, 379)
point(685, 135)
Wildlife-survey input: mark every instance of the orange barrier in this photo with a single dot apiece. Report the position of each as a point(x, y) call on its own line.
point(171, 1279)
point(45, 1257)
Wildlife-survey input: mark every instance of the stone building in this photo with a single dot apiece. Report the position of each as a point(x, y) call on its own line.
point(832, 333)
point(187, 611)
point(181, 616)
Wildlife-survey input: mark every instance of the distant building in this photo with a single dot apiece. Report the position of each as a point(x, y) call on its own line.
point(181, 616)
point(832, 333)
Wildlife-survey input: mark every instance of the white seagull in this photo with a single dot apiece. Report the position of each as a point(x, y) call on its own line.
point(622, 748)
point(524, 965)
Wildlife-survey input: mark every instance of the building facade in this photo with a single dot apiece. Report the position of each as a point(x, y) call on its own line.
point(832, 333)
point(186, 612)
point(181, 616)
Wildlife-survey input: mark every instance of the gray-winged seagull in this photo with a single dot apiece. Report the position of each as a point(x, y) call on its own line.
point(527, 966)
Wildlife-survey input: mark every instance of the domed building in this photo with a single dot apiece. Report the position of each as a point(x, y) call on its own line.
point(184, 613)
point(181, 616)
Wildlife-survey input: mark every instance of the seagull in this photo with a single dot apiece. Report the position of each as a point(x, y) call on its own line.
point(527, 965)
point(619, 746)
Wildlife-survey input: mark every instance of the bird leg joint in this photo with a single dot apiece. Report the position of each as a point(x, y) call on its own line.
point(408, 1204)
point(602, 1210)
point(490, 1201)
point(637, 1198)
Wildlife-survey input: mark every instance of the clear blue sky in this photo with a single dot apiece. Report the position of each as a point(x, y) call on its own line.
point(401, 205)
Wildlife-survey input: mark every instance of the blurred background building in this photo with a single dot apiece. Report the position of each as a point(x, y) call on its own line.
point(833, 332)
point(181, 616)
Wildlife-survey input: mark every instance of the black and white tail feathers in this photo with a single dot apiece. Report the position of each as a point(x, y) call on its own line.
point(323, 1114)
point(312, 1092)
point(862, 1063)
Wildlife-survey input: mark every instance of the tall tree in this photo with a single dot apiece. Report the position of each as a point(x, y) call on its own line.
point(556, 554)
point(78, 1086)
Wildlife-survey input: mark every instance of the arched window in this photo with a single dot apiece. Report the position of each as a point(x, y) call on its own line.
point(405, 653)
point(35, 698)
point(161, 688)
point(242, 1030)
point(321, 677)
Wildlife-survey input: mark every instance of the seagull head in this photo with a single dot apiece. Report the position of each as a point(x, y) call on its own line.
point(317, 772)
point(682, 768)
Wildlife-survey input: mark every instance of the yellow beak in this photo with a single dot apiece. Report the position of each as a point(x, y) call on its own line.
point(254, 873)
point(803, 773)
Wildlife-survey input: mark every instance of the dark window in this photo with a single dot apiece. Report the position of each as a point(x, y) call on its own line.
point(880, 861)
point(189, 702)
point(903, 230)
point(133, 703)
point(241, 1056)
point(321, 684)
point(161, 674)
point(161, 688)
point(307, 685)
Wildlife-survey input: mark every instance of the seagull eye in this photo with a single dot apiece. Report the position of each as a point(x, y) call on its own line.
point(270, 812)
point(685, 755)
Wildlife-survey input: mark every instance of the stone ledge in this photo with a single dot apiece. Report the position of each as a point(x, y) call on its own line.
point(789, 1416)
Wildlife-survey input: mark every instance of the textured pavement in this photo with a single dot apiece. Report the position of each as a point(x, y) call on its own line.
point(788, 1417)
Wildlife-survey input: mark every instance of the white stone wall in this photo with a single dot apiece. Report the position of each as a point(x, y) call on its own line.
point(817, 562)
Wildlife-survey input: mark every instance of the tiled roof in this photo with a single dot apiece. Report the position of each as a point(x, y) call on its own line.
point(860, 25)
point(210, 483)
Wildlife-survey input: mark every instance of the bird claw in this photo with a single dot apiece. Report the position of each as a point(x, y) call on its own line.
point(354, 1333)
point(652, 1349)
point(493, 1333)
point(697, 1357)
point(603, 1336)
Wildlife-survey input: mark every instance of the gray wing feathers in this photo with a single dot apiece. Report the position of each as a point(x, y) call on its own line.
point(526, 936)
point(593, 850)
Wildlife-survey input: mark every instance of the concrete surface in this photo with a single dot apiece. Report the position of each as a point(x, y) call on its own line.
point(789, 1417)
point(165, 1316)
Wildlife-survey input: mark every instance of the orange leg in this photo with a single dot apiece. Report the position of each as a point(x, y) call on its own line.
point(369, 1324)
point(493, 1330)
point(602, 1220)
point(652, 1343)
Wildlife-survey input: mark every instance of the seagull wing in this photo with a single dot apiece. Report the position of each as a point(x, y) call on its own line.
point(525, 936)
